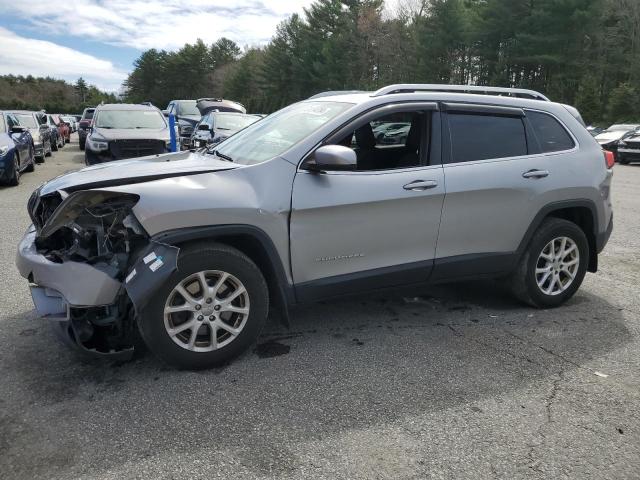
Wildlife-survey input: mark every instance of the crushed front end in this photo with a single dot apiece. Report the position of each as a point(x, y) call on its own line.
point(76, 256)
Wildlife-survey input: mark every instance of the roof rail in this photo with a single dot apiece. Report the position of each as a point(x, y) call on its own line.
point(427, 87)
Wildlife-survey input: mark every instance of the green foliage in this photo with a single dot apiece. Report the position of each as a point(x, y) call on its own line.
point(623, 104)
point(582, 52)
point(56, 96)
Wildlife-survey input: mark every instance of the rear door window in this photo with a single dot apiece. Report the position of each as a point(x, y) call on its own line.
point(553, 137)
point(483, 137)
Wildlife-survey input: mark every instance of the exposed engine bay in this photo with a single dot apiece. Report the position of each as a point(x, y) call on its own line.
point(95, 227)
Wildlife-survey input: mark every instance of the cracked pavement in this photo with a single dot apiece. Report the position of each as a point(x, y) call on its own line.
point(449, 382)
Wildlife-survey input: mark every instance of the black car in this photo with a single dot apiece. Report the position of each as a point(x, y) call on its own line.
point(16, 149)
point(218, 126)
point(84, 125)
point(186, 116)
point(120, 131)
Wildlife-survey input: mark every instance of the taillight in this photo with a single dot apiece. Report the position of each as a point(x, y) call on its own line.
point(609, 158)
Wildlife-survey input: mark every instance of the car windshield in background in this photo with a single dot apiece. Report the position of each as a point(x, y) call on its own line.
point(88, 115)
point(188, 108)
point(126, 119)
point(234, 122)
point(27, 120)
point(278, 132)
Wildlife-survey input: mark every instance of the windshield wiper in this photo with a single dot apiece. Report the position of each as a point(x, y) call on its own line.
point(222, 156)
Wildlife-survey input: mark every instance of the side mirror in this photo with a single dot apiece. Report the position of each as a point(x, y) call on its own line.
point(203, 126)
point(334, 157)
point(165, 113)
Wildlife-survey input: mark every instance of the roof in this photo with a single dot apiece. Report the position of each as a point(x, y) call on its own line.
point(125, 106)
point(23, 111)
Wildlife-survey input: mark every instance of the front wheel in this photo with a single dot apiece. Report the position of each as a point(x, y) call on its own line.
point(211, 309)
point(553, 266)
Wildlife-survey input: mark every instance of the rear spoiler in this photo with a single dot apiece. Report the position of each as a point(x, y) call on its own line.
point(575, 114)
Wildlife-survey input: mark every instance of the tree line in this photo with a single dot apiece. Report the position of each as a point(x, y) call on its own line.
point(581, 52)
point(50, 94)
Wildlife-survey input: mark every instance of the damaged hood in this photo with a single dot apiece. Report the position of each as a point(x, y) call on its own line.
point(145, 169)
point(606, 137)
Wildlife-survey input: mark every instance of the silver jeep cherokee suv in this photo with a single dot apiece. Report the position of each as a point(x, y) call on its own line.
point(192, 250)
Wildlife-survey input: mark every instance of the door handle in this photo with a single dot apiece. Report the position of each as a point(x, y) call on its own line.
point(536, 173)
point(420, 185)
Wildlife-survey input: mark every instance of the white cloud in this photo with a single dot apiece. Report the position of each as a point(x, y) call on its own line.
point(167, 24)
point(26, 56)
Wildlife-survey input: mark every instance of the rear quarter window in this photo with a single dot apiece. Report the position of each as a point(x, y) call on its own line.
point(484, 137)
point(552, 136)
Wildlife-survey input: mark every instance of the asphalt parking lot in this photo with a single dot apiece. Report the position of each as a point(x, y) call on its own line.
point(451, 382)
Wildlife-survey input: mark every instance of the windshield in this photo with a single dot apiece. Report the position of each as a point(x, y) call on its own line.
point(188, 107)
point(27, 120)
point(234, 122)
point(278, 132)
point(130, 119)
point(88, 115)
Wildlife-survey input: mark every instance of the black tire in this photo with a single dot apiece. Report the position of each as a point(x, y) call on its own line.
point(523, 280)
point(32, 166)
point(48, 153)
point(622, 160)
point(195, 259)
point(82, 142)
point(54, 146)
point(15, 178)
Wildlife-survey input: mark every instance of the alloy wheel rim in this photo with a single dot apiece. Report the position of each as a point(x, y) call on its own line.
point(557, 266)
point(206, 311)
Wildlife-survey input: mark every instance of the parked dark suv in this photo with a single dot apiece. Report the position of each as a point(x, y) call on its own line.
point(194, 249)
point(122, 131)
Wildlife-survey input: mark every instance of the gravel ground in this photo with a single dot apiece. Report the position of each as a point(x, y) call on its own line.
point(451, 382)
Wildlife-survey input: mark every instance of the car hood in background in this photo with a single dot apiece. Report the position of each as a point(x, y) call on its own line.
point(132, 133)
point(138, 170)
point(206, 105)
point(606, 137)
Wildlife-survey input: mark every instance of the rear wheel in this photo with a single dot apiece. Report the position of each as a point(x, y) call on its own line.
point(210, 310)
point(622, 160)
point(553, 266)
point(47, 151)
point(82, 142)
point(55, 145)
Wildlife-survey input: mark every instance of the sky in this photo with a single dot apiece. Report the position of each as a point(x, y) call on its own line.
point(100, 39)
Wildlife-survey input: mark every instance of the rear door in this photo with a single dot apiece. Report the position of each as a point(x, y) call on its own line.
point(497, 177)
point(374, 227)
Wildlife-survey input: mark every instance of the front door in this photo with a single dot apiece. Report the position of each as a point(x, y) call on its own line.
point(376, 226)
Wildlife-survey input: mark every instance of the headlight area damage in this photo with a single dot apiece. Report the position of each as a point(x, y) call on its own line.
point(96, 230)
